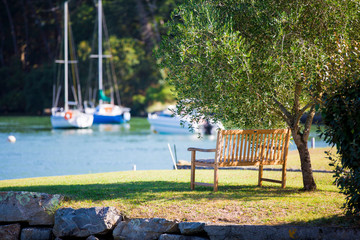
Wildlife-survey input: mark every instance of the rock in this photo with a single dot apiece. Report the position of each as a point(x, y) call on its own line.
point(227, 232)
point(191, 228)
point(144, 228)
point(10, 232)
point(180, 237)
point(219, 232)
point(84, 222)
point(34, 208)
point(36, 234)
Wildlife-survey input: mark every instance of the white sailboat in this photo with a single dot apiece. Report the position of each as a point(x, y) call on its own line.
point(106, 111)
point(64, 117)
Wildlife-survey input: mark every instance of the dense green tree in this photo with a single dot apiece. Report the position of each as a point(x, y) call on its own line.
point(341, 117)
point(256, 63)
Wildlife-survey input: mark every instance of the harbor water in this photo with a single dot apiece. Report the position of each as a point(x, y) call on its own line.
point(42, 151)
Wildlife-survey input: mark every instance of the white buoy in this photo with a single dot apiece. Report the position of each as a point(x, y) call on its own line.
point(11, 139)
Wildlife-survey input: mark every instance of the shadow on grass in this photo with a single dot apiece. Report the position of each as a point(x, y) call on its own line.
point(334, 221)
point(142, 191)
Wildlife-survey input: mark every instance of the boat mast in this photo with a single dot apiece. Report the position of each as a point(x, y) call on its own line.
point(100, 57)
point(66, 106)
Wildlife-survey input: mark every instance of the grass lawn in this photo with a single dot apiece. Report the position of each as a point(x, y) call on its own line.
point(166, 194)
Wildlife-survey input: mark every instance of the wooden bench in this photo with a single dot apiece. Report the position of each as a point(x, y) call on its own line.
point(245, 148)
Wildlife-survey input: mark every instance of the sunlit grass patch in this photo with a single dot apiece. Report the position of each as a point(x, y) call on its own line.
point(167, 194)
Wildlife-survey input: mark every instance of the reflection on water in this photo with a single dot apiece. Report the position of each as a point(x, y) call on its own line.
point(112, 127)
point(43, 151)
point(72, 131)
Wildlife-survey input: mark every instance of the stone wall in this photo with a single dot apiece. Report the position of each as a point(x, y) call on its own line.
point(28, 215)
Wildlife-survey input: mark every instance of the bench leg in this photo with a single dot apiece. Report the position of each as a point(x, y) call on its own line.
point(283, 177)
point(261, 168)
point(216, 177)
point(192, 180)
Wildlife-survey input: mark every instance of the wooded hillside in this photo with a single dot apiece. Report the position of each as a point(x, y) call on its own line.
point(31, 33)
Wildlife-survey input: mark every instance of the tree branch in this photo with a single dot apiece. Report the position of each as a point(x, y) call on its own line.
point(297, 93)
point(308, 123)
point(302, 111)
point(282, 108)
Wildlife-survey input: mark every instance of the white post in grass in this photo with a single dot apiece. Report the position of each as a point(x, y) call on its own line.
point(172, 157)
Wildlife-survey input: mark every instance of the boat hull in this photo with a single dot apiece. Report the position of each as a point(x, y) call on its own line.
point(98, 119)
point(169, 125)
point(108, 113)
point(77, 119)
point(165, 122)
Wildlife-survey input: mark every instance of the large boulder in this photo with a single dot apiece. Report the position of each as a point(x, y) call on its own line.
point(36, 234)
point(84, 222)
point(10, 232)
point(33, 208)
point(144, 228)
point(227, 232)
point(192, 228)
point(180, 237)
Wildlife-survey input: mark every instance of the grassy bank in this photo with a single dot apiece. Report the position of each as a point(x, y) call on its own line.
point(167, 194)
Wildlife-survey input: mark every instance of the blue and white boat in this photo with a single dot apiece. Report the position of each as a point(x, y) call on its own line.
point(106, 111)
point(110, 113)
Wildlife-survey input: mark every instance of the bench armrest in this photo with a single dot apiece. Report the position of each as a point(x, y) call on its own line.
point(201, 149)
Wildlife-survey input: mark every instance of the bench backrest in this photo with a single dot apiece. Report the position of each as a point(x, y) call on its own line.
point(252, 147)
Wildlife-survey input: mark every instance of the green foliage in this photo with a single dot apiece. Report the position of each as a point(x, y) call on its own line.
point(341, 117)
point(12, 84)
point(25, 92)
point(209, 64)
point(251, 63)
point(256, 63)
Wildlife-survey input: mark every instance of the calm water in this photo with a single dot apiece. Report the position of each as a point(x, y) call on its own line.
point(42, 151)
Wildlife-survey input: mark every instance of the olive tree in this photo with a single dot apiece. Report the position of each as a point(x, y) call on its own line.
point(255, 63)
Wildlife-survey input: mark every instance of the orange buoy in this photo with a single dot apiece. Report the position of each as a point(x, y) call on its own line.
point(68, 115)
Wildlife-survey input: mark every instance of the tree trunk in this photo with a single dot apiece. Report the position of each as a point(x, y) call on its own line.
point(300, 140)
point(152, 8)
point(2, 39)
point(25, 48)
point(13, 35)
point(38, 22)
point(306, 169)
point(147, 34)
point(58, 29)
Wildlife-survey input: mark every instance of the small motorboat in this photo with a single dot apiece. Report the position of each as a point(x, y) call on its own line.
point(166, 122)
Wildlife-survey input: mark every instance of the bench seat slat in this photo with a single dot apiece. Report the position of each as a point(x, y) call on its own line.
point(271, 180)
point(258, 163)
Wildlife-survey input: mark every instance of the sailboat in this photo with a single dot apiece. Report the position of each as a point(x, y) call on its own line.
point(66, 117)
point(106, 111)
